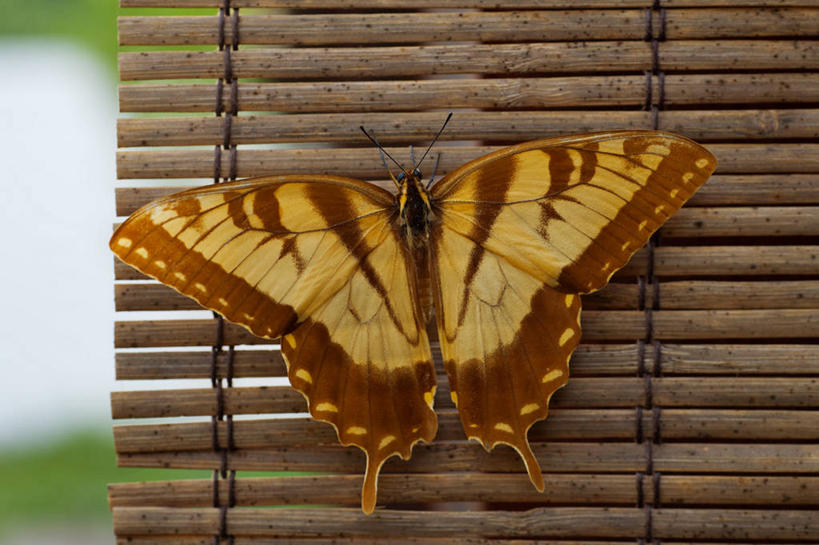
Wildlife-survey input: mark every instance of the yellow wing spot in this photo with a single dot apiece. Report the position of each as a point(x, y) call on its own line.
point(160, 264)
point(291, 340)
point(625, 245)
point(474, 426)
point(326, 407)
point(552, 375)
point(659, 149)
point(674, 192)
point(701, 163)
point(503, 426)
point(415, 429)
point(687, 177)
point(643, 224)
point(530, 408)
point(356, 430)
point(180, 276)
point(606, 265)
point(659, 208)
point(249, 317)
point(142, 252)
point(201, 287)
point(386, 441)
point(569, 300)
point(429, 398)
point(567, 334)
point(223, 301)
point(304, 375)
point(125, 242)
point(454, 396)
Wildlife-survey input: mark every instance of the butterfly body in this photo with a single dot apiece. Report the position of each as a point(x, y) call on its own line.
point(414, 208)
point(347, 275)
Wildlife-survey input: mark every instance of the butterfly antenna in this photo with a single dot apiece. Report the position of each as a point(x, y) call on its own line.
point(382, 151)
point(435, 139)
point(434, 170)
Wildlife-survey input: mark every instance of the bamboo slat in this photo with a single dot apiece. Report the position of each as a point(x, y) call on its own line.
point(487, 26)
point(528, 58)
point(675, 295)
point(507, 93)
point(687, 261)
point(559, 457)
point(562, 425)
point(249, 540)
point(363, 162)
point(732, 189)
point(557, 522)
point(597, 325)
point(583, 392)
point(572, 489)
point(587, 360)
point(454, 4)
point(702, 125)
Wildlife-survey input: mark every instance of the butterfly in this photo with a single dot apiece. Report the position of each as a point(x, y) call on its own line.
point(348, 275)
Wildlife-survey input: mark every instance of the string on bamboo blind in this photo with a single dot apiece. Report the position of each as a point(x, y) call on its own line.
point(669, 399)
point(225, 473)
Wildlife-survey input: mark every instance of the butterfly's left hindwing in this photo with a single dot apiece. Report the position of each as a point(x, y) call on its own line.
point(519, 234)
point(317, 260)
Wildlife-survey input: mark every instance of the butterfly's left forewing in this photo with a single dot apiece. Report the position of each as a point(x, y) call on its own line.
point(316, 260)
point(520, 233)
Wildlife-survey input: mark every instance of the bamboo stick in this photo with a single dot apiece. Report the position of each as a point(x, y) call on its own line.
point(556, 522)
point(406, 128)
point(597, 325)
point(438, 457)
point(616, 296)
point(486, 26)
point(363, 162)
point(544, 521)
point(571, 489)
point(453, 4)
point(506, 93)
point(731, 189)
point(369, 540)
point(562, 425)
point(529, 58)
point(681, 261)
point(587, 360)
point(582, 392)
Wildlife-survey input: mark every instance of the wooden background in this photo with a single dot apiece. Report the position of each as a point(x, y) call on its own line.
point(693, 411)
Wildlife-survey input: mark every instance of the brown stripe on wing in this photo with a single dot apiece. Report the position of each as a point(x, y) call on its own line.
point(157, 254)
point(336, 209)
point(491, 185)
point(674, 180)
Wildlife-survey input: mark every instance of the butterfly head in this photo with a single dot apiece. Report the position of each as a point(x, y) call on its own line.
point(413, 207)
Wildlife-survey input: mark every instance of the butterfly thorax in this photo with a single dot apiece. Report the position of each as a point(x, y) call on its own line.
point(413, 209)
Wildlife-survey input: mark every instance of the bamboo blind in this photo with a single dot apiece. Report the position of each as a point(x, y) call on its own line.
point(693, 411)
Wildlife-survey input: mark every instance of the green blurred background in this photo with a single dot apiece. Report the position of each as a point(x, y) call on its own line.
point(56, 449)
